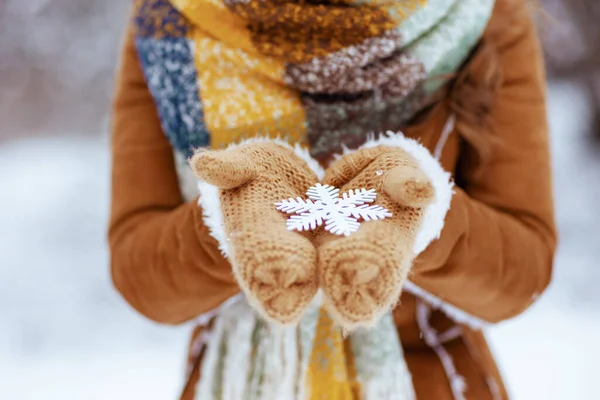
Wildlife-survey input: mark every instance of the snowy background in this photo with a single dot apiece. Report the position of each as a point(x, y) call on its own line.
point(64, 332)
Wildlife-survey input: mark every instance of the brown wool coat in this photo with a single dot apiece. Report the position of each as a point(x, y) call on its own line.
point(494, 255)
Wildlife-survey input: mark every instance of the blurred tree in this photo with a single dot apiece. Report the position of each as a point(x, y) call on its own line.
point(57, 59)
point(571, 40)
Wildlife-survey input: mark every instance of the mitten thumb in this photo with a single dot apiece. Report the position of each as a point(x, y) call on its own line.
point(226, 169)
point(409, 186)
point(350, 165)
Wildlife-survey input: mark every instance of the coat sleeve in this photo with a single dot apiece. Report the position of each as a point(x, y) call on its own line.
point(495, 253)
point(163, 260)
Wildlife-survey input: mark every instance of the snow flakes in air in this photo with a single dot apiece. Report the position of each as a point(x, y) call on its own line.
point(340, 214)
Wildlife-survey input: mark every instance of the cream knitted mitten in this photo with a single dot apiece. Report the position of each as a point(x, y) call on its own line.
point(276, 268)
point(362, 275)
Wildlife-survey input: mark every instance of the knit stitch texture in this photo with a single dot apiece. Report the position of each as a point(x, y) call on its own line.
point(275, 267)
point(323, 73)
point(362, 275)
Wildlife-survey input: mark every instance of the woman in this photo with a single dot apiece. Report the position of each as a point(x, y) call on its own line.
point(463, 77)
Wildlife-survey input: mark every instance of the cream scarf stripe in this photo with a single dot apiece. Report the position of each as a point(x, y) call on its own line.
point(464, 23)
point(275, 372)
point(379, 361)
point(413, 27)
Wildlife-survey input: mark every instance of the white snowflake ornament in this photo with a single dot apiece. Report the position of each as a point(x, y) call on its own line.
point(341, 214)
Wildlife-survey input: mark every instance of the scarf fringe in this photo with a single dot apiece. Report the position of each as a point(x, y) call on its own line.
point(281, 363)
point(239, 349)
point(381, 369)
point(206, 385)
point(248, 358)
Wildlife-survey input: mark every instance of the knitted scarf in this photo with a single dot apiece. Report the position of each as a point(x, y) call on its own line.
point(324, 73)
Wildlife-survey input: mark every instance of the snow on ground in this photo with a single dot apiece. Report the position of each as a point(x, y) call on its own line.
point(66, 335)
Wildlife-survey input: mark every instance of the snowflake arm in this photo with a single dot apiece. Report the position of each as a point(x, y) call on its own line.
point(295, 206)
point(369, 213)
point(340, 224)
point(324, 193)
point(358, 197)
point(304, 222)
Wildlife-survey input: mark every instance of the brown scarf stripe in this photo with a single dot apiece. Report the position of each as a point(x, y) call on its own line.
point(328, 74)
point(298, 32)
point(355, 81)
point(343, 119)
point(362, 21)
point(345, 58)
point(334, 124)
point(379, 73)
point(399, 86)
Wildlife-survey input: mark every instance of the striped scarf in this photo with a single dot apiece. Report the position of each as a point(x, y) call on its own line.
point(325, 73)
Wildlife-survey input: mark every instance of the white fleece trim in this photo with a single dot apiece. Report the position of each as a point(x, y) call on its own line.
point(435, 213)
point(188, 183)
point(209, 194)
point(455, 313)
point(433, 220)
point(213, 215)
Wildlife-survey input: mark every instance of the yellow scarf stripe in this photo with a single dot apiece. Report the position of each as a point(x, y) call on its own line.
point(329, 376)
point(242, 91)
point(214, 17)
point(237, 102)
point(399, 11)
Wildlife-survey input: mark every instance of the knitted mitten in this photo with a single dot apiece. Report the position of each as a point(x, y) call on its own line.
point(276, 268)
point(362, 275)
